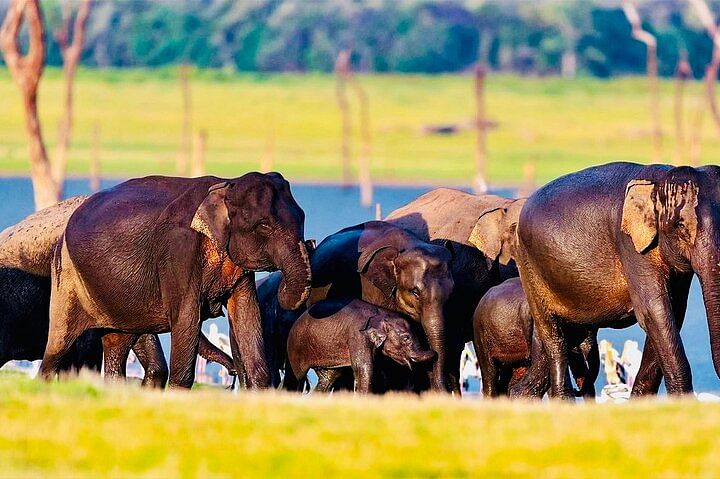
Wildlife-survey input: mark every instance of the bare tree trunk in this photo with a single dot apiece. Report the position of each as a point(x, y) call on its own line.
point(268, 157)
point(711, 72)
point(185, 139)
point(197, 168)
point(528, 184)
point(682, 73)
point(365, 180)
point(26, 71)
point(696, 136)
point(480, 180)
point(342, 69)
point(95, 160)
point(650, 42)
point(71, 57)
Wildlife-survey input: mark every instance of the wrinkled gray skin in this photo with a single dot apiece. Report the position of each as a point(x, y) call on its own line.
point(25, 262)
point(504, 342)
point(160, 254)
point(648, 229)
point(480, 231)
point(337, 334)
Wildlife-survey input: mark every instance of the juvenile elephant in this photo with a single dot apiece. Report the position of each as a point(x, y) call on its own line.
point(25, 262)
point(161, 254)
point(504, 342)
point(648, 229)
point(480, 230)
point(333, 335)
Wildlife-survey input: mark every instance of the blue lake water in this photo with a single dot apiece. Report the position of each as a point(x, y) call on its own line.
point(329, 208)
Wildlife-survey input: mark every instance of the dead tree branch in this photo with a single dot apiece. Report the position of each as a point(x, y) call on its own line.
point(26, 71)
point(71, 52)
point(711, 71)
point(650, 42)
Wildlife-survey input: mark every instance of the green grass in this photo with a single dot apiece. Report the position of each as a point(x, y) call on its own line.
point(561, 124)
point(84, 429)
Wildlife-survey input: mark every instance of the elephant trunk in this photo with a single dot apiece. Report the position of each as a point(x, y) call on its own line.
point(710, 282)
point(294, 263)
point(434, 326)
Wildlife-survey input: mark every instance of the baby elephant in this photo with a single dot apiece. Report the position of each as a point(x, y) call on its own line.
point(336, 334)
point(504, 342)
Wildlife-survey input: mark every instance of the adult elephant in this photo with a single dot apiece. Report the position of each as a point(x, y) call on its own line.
point(161, 254)
point(647, 229)
point(25, 262)
point(480, 230)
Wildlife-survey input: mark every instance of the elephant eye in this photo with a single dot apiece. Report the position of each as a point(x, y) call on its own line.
point(406, 338)
point(415, 292)
point(263, 228)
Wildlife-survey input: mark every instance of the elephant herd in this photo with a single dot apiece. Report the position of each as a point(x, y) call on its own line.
point(380, 306)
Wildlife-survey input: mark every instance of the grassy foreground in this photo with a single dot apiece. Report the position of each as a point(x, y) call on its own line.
point(561, 124)
point(83, 429)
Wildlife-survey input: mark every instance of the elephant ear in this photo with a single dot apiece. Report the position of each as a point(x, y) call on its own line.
point(487, 235)
point(378, 266)
point(639, 219)
point(374, 334)
point(211, 218)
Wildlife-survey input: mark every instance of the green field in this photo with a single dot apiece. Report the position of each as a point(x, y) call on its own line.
point(561, 124)
point(83, 429)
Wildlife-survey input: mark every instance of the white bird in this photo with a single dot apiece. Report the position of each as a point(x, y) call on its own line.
point(220, 340)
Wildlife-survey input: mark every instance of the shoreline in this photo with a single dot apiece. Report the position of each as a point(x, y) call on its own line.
point(310, 181)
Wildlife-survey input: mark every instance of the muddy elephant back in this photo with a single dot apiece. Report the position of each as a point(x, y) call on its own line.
point(29, 245)
point(444, 214)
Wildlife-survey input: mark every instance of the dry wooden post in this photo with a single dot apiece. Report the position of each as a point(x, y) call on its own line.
point(378, 212)
point(197, 166)
point(480, 181)
point(342, 69)
point(185, 138)
point(650, 42)
point(682, 73)
point(364, 178)
point(696, 135)
point(71, 51)
point(268, 157)
point(711, 71)
point(528, 184)
point(26, 71)
point(95, 160)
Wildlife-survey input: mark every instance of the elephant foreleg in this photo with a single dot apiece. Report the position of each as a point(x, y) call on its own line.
point(245, 322)
point(649, 376)
point(651, 302)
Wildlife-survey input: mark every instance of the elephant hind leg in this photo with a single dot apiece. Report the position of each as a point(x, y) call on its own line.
point(150, 354)
point(116, 349)
point(326, 379)
point(67, 322)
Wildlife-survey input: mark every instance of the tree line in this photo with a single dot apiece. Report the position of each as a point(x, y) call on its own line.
point(538, 37)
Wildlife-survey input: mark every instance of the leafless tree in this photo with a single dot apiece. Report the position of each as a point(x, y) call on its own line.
point(711, 71)
point(650, 42)
point(71, 38)
point(26, 70)
point(345, 78)
point(183, 157)
point(480, 180)
point(342, 69)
